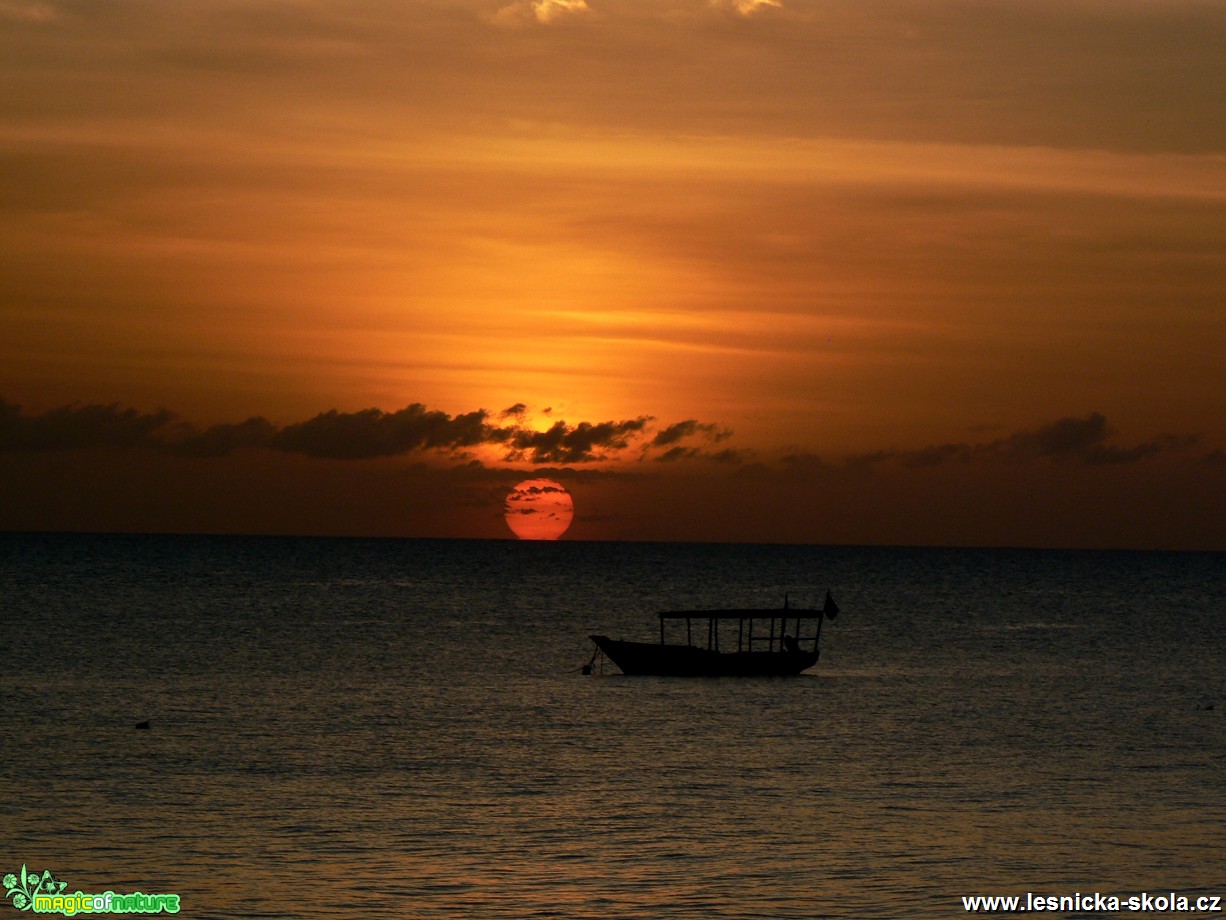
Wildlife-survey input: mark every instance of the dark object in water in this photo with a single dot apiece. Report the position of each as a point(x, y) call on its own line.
point(777, 653)
point(144, 724)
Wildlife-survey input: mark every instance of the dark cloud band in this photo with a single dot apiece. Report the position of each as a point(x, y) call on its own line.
point(334, 435)
point(373, 433)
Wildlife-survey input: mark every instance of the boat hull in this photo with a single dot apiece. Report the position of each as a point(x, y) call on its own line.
point(650, 658)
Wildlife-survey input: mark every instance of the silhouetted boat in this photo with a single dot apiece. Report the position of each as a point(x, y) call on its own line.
point(757, 643)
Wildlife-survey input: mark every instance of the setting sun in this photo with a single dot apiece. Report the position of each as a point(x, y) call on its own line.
point(539, 509)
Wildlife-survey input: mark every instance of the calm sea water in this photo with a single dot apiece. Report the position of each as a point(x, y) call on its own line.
point(352, 729)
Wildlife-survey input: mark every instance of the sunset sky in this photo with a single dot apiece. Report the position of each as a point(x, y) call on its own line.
point(768, 270)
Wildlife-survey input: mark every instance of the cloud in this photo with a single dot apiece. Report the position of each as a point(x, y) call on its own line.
point(543, 11)
point(1066, 437)
point(520, 493)
point(18, 11)
point(70, 427)
point(671, 437)
point(1079, 440)
point(416, 429)
point(747, 7)
point(1086, 440)
point(727, 455)
point(335, 435)
point(581, 443)
point(548, 10)
point(690, 427)
point(373, 433)
point(219, 440)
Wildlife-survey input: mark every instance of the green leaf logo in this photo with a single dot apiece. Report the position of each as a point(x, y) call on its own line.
point(23, 888)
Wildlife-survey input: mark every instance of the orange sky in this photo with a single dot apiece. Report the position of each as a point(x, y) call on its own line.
point(944, 272)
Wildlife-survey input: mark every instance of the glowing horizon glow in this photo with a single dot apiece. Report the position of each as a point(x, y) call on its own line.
point(539, 509)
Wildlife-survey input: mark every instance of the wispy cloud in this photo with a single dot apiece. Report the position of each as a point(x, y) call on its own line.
point(543, 11)
point(1085, 440)
point(548, 10)
point(19, 11)
point(747, 7)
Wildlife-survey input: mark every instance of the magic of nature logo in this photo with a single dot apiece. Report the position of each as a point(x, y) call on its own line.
point(44, 894)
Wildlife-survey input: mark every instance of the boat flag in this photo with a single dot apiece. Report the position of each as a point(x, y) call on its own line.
point(830, 608)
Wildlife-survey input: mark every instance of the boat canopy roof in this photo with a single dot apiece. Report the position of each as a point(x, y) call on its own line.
point(755, 613)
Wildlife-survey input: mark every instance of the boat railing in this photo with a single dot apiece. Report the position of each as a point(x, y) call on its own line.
point(804, 626)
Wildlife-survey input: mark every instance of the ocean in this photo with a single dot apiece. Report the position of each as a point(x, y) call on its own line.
point(399, 728)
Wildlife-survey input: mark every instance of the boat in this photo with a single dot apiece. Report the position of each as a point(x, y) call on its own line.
point(756, 643)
